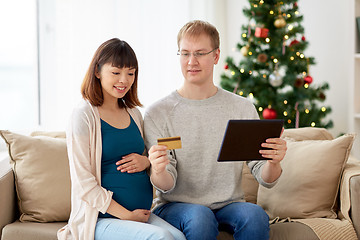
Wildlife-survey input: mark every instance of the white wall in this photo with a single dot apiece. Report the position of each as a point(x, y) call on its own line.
point(327, 29)
point(72, 30)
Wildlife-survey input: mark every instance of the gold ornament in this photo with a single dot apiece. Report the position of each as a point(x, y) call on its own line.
point(280, 22)
point(245, 50)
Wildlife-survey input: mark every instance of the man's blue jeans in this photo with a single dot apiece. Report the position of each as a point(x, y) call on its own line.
point(244, 220)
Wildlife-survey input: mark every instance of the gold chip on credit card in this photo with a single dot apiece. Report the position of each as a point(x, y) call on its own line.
point(170, 142)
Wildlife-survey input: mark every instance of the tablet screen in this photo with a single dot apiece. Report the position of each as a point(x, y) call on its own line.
point(242, 139)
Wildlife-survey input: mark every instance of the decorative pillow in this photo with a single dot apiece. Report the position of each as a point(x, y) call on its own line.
point(310, 179)
point(49, 134)
point(307, 133)
point(249, 184)
point(42, 176)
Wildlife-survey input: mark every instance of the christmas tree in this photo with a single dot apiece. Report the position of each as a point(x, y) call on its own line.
point(274, 70)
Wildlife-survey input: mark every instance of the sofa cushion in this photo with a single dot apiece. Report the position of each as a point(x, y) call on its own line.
point(291, 231)
point(42, 176)
point(310, 179)
point(282, 231)
point(32, 230)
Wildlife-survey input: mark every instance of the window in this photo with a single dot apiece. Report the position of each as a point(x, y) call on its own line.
point(18, 65)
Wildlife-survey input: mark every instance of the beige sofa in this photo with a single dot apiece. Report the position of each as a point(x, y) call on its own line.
point(284, 228)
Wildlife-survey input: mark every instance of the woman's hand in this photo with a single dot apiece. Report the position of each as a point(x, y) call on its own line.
point(133, 163)
point(139, 215)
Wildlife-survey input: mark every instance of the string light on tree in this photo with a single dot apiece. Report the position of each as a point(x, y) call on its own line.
point(308, 79)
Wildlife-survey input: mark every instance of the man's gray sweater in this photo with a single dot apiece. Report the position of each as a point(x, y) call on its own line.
point(201, 124)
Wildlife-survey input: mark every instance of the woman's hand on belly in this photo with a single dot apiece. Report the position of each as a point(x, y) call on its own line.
point(133, 163)
point(139, 215)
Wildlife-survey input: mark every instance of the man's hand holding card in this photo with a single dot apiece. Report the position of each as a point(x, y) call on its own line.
point(158, 156)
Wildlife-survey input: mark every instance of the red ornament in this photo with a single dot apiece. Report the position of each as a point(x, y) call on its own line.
point(261, 32)
point(293, 42)
point(303, 38)
point(269, 113)
point(308, 79)
point(295, 4)
point(226, 66)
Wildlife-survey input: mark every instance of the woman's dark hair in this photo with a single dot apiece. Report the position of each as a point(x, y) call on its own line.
point(119, 54)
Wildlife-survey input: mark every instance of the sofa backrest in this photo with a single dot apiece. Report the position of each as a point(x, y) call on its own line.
point(8, 200)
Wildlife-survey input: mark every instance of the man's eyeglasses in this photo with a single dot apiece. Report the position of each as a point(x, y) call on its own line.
point(186, 55)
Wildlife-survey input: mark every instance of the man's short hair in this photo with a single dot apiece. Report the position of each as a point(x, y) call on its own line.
point(196, 28)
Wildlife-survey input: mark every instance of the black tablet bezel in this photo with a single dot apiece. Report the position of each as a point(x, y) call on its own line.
point(242, 139)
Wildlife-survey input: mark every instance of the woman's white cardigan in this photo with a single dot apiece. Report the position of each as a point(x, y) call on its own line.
point(88, 198)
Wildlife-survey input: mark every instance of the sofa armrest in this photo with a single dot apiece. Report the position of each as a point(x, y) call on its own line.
point(8, 207)
point(355, 203)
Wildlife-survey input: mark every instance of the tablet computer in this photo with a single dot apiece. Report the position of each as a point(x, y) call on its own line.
point(242, 139)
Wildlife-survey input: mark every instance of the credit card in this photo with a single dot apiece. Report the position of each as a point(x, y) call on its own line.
point(170, 142)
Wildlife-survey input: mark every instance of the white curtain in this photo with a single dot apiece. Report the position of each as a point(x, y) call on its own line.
point(70, 32)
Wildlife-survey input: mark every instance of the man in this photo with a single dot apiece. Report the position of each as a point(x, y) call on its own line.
point(197, 194)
